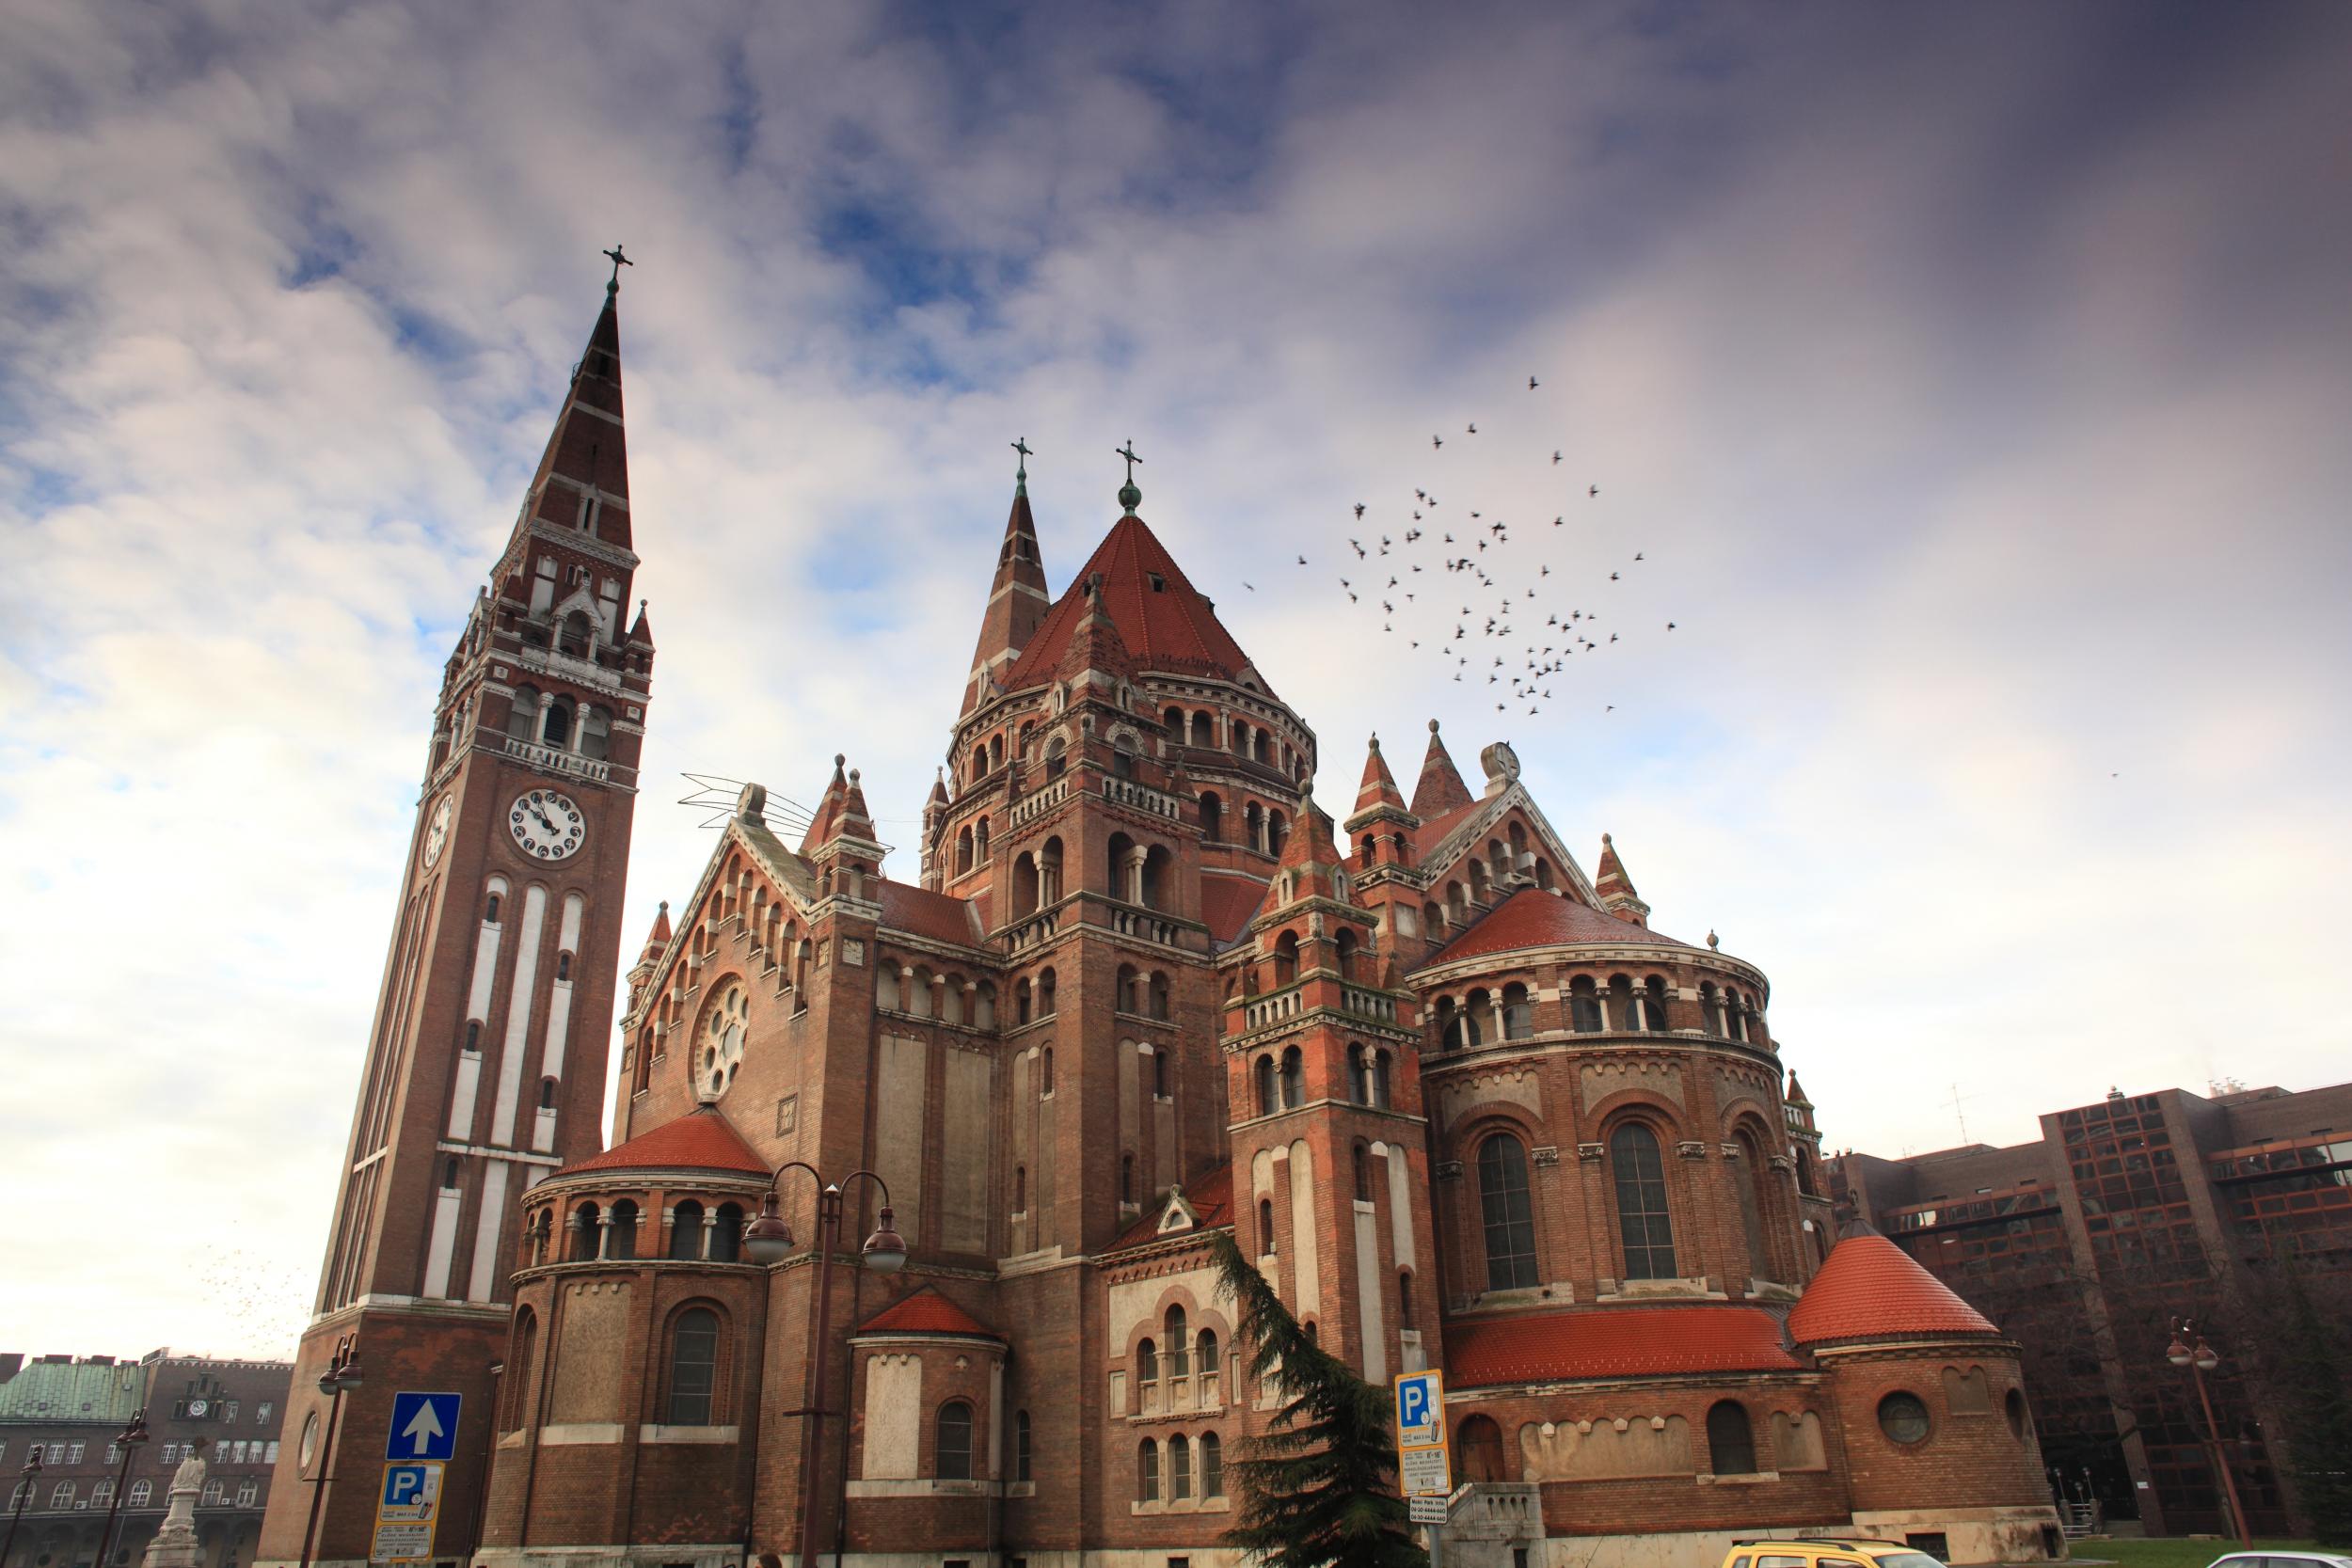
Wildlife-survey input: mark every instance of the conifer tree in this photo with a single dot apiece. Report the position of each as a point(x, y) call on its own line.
point(1318, 1487)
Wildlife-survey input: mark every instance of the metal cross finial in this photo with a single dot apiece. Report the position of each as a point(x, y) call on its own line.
point(1022, 473)
point(1128, 452)
point(619, 261)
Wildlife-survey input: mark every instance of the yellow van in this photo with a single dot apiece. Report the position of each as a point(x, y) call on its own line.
point(1826, 1552)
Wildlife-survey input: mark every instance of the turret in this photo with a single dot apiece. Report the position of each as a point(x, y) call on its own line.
point(1616, 888)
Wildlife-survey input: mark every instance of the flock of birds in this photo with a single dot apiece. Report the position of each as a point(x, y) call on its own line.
point(1483, 622)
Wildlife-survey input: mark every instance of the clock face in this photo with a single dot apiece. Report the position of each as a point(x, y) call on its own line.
point(198, 1408)
point(718, 1051)
point(546, 825)
point(436, 830)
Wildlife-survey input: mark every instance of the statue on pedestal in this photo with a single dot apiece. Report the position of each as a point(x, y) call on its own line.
point(175, 1545)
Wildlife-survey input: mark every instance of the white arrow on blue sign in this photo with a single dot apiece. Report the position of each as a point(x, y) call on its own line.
point(424, 1426)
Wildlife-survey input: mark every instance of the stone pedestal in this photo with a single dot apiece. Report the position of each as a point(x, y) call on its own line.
point(175, 1545)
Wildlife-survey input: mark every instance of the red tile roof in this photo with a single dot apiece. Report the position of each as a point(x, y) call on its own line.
point(919, 911)
point(1615, 1341)
point(925, 1312)
point(1228, 904)
point(1169, 628)
point(700, 1140)
point(1431, 833)
point(1211, 1194)
point(1533, 918)
point(1871, 1289)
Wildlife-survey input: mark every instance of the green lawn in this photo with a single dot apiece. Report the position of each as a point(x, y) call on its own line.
point(2173, 1553)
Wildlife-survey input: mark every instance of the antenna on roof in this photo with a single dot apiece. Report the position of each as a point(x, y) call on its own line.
point(720, 795)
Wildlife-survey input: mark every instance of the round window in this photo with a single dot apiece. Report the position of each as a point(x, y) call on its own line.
point(1903, 1418)
point(721, 1049)
point(309, 1437)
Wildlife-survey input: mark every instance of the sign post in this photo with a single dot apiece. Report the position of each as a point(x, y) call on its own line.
point(422, 1440)
point(1424, 1455)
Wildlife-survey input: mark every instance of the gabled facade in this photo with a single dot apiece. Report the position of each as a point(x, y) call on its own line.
point(1459, 1101)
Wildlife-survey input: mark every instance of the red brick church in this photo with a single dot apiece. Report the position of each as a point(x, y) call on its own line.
point(1459, 1100)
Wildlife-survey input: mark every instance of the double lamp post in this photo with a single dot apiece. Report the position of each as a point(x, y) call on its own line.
point(2188, 1349)
point(768, 1239)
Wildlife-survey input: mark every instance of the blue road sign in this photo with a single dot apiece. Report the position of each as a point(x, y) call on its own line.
point(407, 1487)
point(424, 1426)
point(1420, 1399)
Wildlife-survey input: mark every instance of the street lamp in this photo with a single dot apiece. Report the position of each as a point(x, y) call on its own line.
point(768, 1239)
point(132, 1435)
point(24, 1487)
point(341, 1376)
point(2199, 1359)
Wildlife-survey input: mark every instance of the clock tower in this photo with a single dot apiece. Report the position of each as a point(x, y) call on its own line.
point(486, 1061)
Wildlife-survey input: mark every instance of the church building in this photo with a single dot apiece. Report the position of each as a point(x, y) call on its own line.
point(1458, 1098)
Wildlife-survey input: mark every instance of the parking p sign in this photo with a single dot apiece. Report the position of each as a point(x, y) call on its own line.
point(1419, 1410)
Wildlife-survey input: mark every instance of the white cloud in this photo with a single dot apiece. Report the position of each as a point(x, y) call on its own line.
point(1978, 417)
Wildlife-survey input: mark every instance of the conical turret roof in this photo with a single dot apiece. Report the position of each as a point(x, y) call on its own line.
point(1379, 786)
point(1441, 788)
point(1166, 622)
point(1871, 1289)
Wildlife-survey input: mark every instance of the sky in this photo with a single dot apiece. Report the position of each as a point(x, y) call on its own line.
point(1973, 382)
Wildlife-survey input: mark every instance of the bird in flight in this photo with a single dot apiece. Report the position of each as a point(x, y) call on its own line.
point(1555, 457)
point(1359, 509)
point(1593, 491)
point(1302, 560)
point(1670, 626)
point(1251, 586)
point(1531, 383)
point(1473, 428)
point(1637, 555)
point(1435, 441)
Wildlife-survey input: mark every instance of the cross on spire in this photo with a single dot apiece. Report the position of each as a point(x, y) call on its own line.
point(1128, 494)
point(1021, 474)
point(619, 261)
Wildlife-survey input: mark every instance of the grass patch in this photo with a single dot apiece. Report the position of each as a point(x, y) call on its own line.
point(2175, 1553)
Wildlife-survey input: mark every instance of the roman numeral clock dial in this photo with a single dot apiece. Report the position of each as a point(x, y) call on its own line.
point(546, 825)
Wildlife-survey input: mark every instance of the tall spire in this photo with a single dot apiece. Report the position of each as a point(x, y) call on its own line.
point(1017, 600)
point(1441, 788)
point(581, 484)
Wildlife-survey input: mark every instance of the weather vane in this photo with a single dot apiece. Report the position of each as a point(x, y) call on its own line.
point(1128, 494)
point(619, 261)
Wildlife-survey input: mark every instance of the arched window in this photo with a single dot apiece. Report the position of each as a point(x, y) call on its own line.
point(490, 910)
point(1380, 1075)
point(1750, 1186)
point(140, 1492)
point(1046, 1072)
point(1362, 1158)
point(1736, 1015)
point(694, 1366)
point(586, 1232)
point(1358, 1077)
point(555, 726)
point(1710, 1009)
point(1159, 1074)
point(1519, 1014)
point(1653, 1004)
point(1265, 1072)
point(726, 1235)
point(1344, 947)
point(1211, 1464)
point(1642, 1224)
point(1126, 1179)
point(1212, 819)
point(1278, 832)
point(963, 850)
point(1057, 757)
point(1730, 1439)
point(1201, 732)
point(573, 637)
point(1021, 1444)
point(450, 1174)
point(1510, 1220)
point(1179, 1469)
point(595, 734)
point(1148, 1471)
point(1404, 1298)
point(518, 1364)
point(1583, 1006)
point(955, 1441)
point(1044, 994)
point(522, 716)
point(1020, 1189)
point(1147, 1361)
point(1179, 1342)
point(1205, 1353)
point(1294, 1079)
point(686, 1230)
point(1265, 1228)
point(1159, 995)
point(1285, 959)
point(623, 1240)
